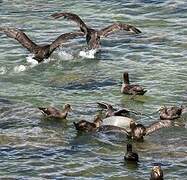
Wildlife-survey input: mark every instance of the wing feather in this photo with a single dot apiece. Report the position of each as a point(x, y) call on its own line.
point(158, 125)
point(117, 27)
point(20, 36)
point(64, 38)
point(72, 17)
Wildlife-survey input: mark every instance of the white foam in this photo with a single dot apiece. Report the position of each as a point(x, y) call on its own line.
point(19, 68)
point(88, 54)
point(3, 70)
point(32, 62)
point(65, 56)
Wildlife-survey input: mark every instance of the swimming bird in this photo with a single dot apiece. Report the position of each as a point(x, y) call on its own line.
point(157, 173)
point(171, 113)
point(93, 36)
point(40, 52)
point(131, 156)
point(132, 89)
point(56, 113)
point(86, 126)
point(138, 131)
point(111, 111)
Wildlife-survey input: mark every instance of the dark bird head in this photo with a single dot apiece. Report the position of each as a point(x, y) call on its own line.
point(93, 39)
point(131, 156)
point(156, 173)
point(138, 131)
point(126, 77)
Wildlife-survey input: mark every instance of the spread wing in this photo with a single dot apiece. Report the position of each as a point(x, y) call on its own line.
point(158, 125)
point(72, 17)
point(20, 36)
point(118, 27)
point(64, 38)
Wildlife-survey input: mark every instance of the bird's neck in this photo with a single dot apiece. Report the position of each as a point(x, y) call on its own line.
point(129, 148)
point(126, 78)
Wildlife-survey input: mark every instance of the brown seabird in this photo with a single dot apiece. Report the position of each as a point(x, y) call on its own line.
point(40, 52)
point(92, 35)
point(132, 89)
point(56, 113)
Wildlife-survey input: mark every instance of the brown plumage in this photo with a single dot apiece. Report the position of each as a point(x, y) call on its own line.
point(86, 126)
point(138, 131)
point(157, 173)
point(93, 36)
point(132, 89)
point(131, 156)
point(170, 113)
point(40, 52)
point(111, 111)
point(56, 113)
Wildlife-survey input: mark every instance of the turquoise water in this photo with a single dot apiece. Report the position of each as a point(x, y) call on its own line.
point(32, 147)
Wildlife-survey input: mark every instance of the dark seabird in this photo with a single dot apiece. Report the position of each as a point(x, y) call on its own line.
point(86, 126)
point(157, 173)
point(40, 52)
point(56, 113)
point(92, 35)
point(131, 156)
point(171, 113)
point(137, 131)
point(132, 89)
point(111, 111)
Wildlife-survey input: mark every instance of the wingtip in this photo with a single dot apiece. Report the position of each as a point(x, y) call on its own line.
point(41, 108)
point(135, 30)
point(55, 15)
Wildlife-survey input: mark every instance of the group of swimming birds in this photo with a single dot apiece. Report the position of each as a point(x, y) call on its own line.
point(114, 120)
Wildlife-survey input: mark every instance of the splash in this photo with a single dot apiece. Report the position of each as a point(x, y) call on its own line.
point(88, 54)
point(3, 70)
point(65, 56)
point(20, 68)
point(32, 62)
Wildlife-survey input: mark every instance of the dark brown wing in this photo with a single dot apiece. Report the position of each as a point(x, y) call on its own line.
point(50, 111)
point(121, 112)
point(136, 89)
point(64, 38)
point(72, 17)
point(20, 36)
point(104, 105)
point(117, 27)
point(158, 125)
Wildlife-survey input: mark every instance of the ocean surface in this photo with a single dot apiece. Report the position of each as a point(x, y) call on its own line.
point(33, 147)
